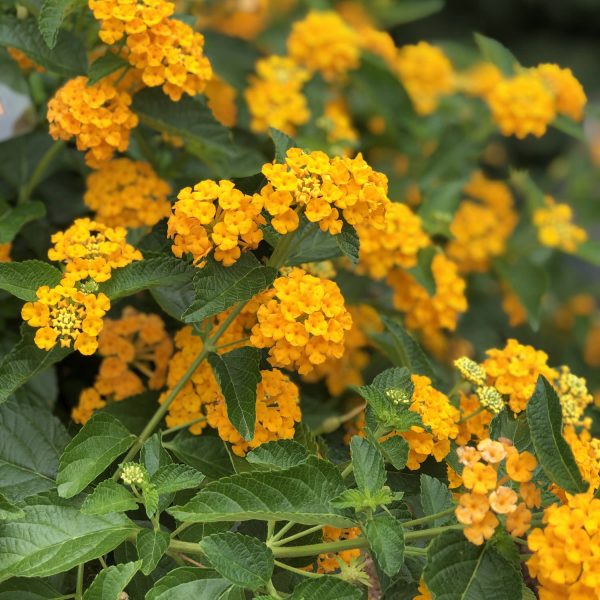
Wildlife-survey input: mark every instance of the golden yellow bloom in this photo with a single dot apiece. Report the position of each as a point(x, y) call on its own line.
point(430, 313)
point(302, 320)
point(522, 105)
point(275, 97)
point(337, 123)
point(426, 73)
point(239, 18)
point(24, 62)
point(5, 252)
point(479, 80)
point(482, 530)
point(513, 307)
point(64, 314)
point(330, 562)
point(555, 226)
point(127, 193)
point(475, 427)
point(568, 92)
point(573, 395)
point(579, 305)
point(424, 593)
point(277, 412)
point(98, 116)
point(396, 244)
point(220, 97)
point(520, 467)
point(586, 450)
point(514, 371)
point(323, 42)
point(326, 189)
point(89, 402)
point(215, 216)
point(91, 249)
point(518, 522)
point(591, 350)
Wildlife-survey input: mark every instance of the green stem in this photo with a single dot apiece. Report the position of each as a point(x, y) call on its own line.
point(282, 531)
point(39, 171)
point(228, 344)
point(331, 424)
point(428, 518)
point(79, 582)
point(102, 562)
point(347, 471)
point(298, 571)
point(280, 253)
point(312, 549)
point(425, 533)
point(183, 426)
point(272, 591)
point(473, 414)
point(296, 536)
point(411, 550)
point(270, 529)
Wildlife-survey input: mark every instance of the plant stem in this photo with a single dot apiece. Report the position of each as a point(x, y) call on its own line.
point(297, 571)
point(79, 582)
point(428, 518)
point(282, 531)
point(425, 533)
point(280, 253)
point(331, 424)
point(39, 171)
point(228, 344)
point(347, 471)
point(296, 536)
point(272, 591)
point(270, 529)
point(183, 426)
point(473, 414)
point(102, 562)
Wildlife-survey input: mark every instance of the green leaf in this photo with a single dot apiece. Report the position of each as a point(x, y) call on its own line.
point(67, 57)
point(589, 251)
point(459, 570)
point(527, 594)
point(174, 301)
point(244, 560)
point(150, 496)
point(348, 242)
point(497, 54)
point(528, 281)
point(218, 287)
point(52, 15)
point(175, 477)
point(189, 582)
point(570, 127)
point(26, 360)
point(361, 500)
point(439, 206)
point(367, 463)
point(302, 494)
point(325, 588)
point(27, 589)
point(204, 137)
point(109, 496)
point(435, 498)
point(516, 429)
point(386, 538)
point(238, 374)
point(422, 270)
point(555, 456)
point(110, 582)
point(30, 445)
point(282, 142)
point(9, 511)
point(395, 451)
point(106, 65)
point(278, 454)
point(100, 441)
point(12, 219)
point(54, 536)
point(144, 274)
point(22, 279)
point(151, 546)
point(405, 11)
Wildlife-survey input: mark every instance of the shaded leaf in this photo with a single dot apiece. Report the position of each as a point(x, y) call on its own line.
point(22, 279)
point(151, 546)
point(27, 589)
point(348, 243)
point(110, 582)
point(105, 65)
point(570, 127)
point(12, 220)
point(325, 588)
point(9, 511)
point(176, 477)
point(367, 463)
point(395, 451)
point(188, 582)
point(494, 52)
point(282, 143)
point(435, 498)
point(386, 538)
point(52, 15)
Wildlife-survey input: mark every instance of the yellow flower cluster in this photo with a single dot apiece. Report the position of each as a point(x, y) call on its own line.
point(91, 249)
point(569, 97)
point(555, 226)
point(331, 561)
point(438, 416)
point(482, 224)
point(488, 497)
point(488, 396)
point(566, 550)
point(476, 426)
point(66, 315)
point(240, 18)
point(215, 216)
point(426, 73)
point(98, 116)
point(165, 51)
point(513, 307)
point(430, 313)
point(479, 80)
point(275, 97)
point(302, 320)
point(5, 252)
point(396, 244)
point(127, 193)
point(573, 395)
point(586, 450)
point(24, 62)
point(324, 43)
point(514, 371)
point(277, 412)
point(134, 345)
point(326, 188)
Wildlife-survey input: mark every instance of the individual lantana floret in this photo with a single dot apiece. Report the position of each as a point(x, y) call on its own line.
point(569, 95)
point(277, 412)
point(514, 371)
point(91, 249)
point(396, 244)
point(136, 351)
point(98, 116)
point(302, 320)
point(555, 226)
point(326, 189)
point(522, 105)
point(430, 313)
point(215, 216)
point(426, 73)
point(323, 42)
point(65, 315)
point(275, 97)
point(127, 193)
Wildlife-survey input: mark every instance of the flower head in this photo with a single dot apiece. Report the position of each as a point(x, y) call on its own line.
point(134, 474)
point(555, 226)
point(568, 92)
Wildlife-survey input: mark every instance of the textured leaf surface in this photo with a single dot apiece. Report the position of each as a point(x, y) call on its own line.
point(279, 454)
point(173, 478)
point(244, 560)
point(151, 546)
point(238, 374)
point(109, 496)
point(367, 463)
point(110, 582)
point(435, 498)
point(218, 287)
point(55, 536)
point(555, 456)
point(101, 440)
point(8, 510)
point(22, 279)
point(12, 219)
point(302, 494)
point(325, 588)
point(386, 538)
point(282, 143)
point(515, 429)
point(205, 453)
point(105, 65)
point(395, 451)
point(494, 52)
point(30, 446)
point(19, 588)
point(52, 15)
point(189, 582)
point(348, 243)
